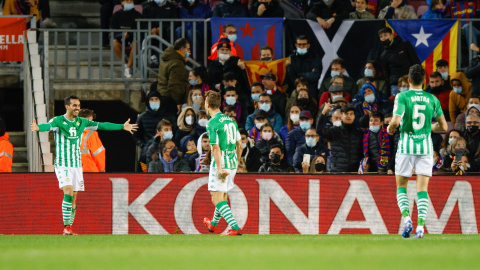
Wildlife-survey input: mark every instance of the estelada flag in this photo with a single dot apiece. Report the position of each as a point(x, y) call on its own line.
point(11, 39)
point(432, 40)
point(257, 68)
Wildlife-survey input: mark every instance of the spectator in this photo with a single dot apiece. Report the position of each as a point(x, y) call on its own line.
point(397, 10)
point(307, 102)
point(318, 165)
point(472, 135)
point(260, 120)
point(296, 137)
point(265, 104)
point(473, 71)
point(293, 122)
point(230, 8)
point(300, 83)
point(6, 149)
point(231, 112)
point(106, 10)
point(198, 160)
point(462, 166)
point(472, 109)
point(91, 147)
point(335, 91)
point(449, 136)
point(231, 98)
point(457, 144)
point(268, 137)
point(269, 81)
point(266, 53)
point(21, 7)
point(397, 57)
point(403, 86)
point(125, 19)
point(337, 67)
point(328, 12)
point(201, 124)
point(312, 146)
point(193, 9)
point(266, 8)
point(230, 32)
point(442, 68)
point(377, 147)
point(189, 147)
point(172, 74)
point(164, 132)
point(147, 123)
point(257, 89)
point(166, 159)
point(250, 155)
point(370, 100)
point(304, 63)
point(159, 9)
point(185, 123)
point(276, 161)
point(44, 7)
point(435, 10)
point(198, 78)
point(439, 89)
point(345, 141)
point(195, 100)
point(361, 11)
point(375, 70)
point(458, 100)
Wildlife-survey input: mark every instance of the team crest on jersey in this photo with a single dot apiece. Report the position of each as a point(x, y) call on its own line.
point(78, 124)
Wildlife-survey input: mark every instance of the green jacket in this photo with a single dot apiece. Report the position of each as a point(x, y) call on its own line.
point(173, 76)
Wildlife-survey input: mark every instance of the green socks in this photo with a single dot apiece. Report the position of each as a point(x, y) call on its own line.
point(72, 218)
point(402, 201)
point(216, 217)
point(67, 209)
point(422, 206)
point(226, 213)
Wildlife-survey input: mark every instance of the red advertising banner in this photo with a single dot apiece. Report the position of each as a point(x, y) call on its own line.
point(11, 39)
point(261, 204)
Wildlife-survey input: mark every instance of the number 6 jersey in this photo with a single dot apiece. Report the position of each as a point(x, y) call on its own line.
point(223, 131)
point(416, 108)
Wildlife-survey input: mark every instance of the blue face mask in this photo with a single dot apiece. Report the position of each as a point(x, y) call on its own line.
point(231, 100)
point(167, 135)
point(311, 142)
point(444, 75)
point(374, 129)
point(174, 153)
point(187, 55)
point(264, 107)
point(155, 106)
point(368, 72)
point(302, 51)
point(192, 82)
point(305, 125)
point(159, 2)
point(335, 97)
point(232, 38)
point(190, 1)
point(255, 97)
point(458, 90)
point(370, 98)
point(450, 140)
point(403, 89)
point(128, 6)
point(334, 73)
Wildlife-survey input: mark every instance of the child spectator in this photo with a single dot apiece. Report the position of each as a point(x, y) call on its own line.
point(259, 121)
point(231, 98)
point(189, 147)
point(267, 138)
point(361, 12)
point(250, 155)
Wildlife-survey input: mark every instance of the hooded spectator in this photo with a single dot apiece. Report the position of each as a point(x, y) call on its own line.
point(462, 90)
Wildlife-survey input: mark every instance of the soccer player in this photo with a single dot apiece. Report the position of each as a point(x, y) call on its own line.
point(68, 129)
point(413, 112)
point(226, 144)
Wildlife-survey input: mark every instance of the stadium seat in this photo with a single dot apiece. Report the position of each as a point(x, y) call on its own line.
point(411, 7)
point(421, 10)
point(138, 8)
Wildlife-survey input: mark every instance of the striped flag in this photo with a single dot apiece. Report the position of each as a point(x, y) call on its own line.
point(257, 68)
point(432, 40)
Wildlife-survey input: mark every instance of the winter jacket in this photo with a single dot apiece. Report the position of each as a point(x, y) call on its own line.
point(473, 142)
point(198, 11)
point(273, 118)
point(402, 12)
point(284, 132)
point(213, 49)
point(180, 165)
point(443, 95)
point(273, 10)
point(216, 70)
point(173, 76)
point(264, 146)
point(93, 152)
point(345, 144)
point(349, 85)
point(236, 9)
point(153, 11)
point(148, 120)
point(183, 128)
point(337, 10)
point(279, 99)
point(361, 15)
point(325, 97)
point(6, 153)
point(383, 104)
point(251, 156)
point(473, 73)
point(460, 122)
point(318, 149)
point(382, 86)
point(458, 102)
point(295, 138)
point(397, 58)
point(308, 66)
point(282, 167)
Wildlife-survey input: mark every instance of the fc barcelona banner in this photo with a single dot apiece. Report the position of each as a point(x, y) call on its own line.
point(11, 39)
point(253, 33)
point(257, 68)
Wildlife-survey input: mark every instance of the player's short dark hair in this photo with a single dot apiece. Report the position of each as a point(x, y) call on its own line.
point(243, 131)
point(267, 48)
point(229, 76)
point(347, 108)
point(377, 114)
point(266, 125)
point(180, 43)
point(228, 25)
point(441, 63)
point(163, 123)
point(435, 74)
point(66, 101)
point(86, 113)
point(259, 84)
point(385, 30)
point(229, 108)
point(230, 89)
point(213, 99)
point(416, 74)
point(338, 61)
point(302, 37)
point(277, 146)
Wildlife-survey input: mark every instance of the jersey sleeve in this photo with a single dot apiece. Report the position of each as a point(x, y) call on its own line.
point(212, 134)
point(399, 106)
point(437, 109)
point(91, 125)
point(52, 125)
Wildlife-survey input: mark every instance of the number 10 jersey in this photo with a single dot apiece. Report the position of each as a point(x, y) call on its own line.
point(223, 131)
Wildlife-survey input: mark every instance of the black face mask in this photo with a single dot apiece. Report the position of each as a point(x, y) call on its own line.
point(386, 42)
point(266, 59)
point(472, 129)
point(275, 158)
point(437, 90)
point(302, 102)
point(320, 167)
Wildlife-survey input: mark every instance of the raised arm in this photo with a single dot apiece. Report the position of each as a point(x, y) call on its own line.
point(110, 126)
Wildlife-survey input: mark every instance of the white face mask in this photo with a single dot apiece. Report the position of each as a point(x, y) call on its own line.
point(232, 38)
point(267, 136)
point(295, 117)
point(337, 123)
point(244, 145)
point(203, 122)
point(189, 120)
point(223, 56)
point(259, 125)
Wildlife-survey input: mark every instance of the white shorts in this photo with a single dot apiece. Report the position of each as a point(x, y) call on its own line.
point(404, 164)
point(68, 176)
point(214, 184)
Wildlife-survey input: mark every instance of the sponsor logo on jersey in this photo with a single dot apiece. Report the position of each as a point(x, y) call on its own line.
point(421, 136)
point(224, 118)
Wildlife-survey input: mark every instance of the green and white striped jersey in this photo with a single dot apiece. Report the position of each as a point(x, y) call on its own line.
point(222, 130)
point(416, 108)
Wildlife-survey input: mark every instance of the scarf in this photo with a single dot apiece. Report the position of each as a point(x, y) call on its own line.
point(254, 133)
point(168, 166)
point(22, 7)
point(438, 164)
point(383, 155)
point(368, 109)
point(200, 166)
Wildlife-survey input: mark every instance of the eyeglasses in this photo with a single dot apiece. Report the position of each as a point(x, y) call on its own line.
point(461, 145)
point(311, 136)
point(264, 101)
point(171, 148)
point(473, 123)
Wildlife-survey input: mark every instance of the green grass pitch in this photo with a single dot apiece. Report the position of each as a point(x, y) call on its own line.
point(242, 252)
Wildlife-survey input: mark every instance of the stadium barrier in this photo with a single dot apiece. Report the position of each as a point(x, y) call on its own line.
point(261, 203)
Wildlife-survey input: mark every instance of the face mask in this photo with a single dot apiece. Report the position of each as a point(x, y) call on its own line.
point(128, 6)
point(231, 100)
point(232, 38)
point(244, 145)
point(223, 56)
point(255, 97)
point(374, 129)
point(334, 73)
point(265, 107)
point(337, 123)
point(444, 75)
point(305, 125)
point(328, 2)
point(294, 117)
point(320, 167)
point(167, 135)
point(190, 1)
point(358, 10)
point(403, 89)
point(303, 102)
point(370, 98)
point(450, 140)
point(192, 82)
point(187, 55)
point(174, 153)
point(159, 2)
point(275, 158)
point(155, 106)
point(203, 122)
point(335, 97)
point(194, 98)
point(189, 120)
point(259, 125)
point(472, 129)
point(266, 59)
point(368, 73)
point(302, 51)
point(458, 90)
point(267, 136)
point(386, 42)
point(196, 106)
point(311, 142)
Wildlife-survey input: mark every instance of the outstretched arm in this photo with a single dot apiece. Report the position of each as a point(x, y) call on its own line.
point(40, 127)
point(126, 126)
